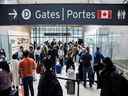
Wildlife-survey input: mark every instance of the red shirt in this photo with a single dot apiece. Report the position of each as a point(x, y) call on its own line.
point(26, 67)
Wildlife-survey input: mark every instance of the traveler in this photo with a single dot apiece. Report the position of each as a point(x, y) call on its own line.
point(69, 60)
point(75, 52)
point(110, 81)
point(2, 55)
point(26, 68)
point(61, 55)
point(65, 49)
point(98, 57)
point(80, 68)
point(5, 79)
point(48, 83)
point(15, 72)
point(70, 84)
point(31, 52)
point(86, 59)
point(20, 53)
point(53, 54)
point(37, 53)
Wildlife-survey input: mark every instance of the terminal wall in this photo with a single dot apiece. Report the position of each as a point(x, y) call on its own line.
point(120, 42)
point(114, 41)
point(11, 37)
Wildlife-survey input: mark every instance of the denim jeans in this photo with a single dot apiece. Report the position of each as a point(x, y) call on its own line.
point(28, 85)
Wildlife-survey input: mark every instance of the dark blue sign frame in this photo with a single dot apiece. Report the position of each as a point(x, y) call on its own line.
point(81, 14)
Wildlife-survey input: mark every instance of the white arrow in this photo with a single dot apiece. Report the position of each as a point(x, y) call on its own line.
point(14, 14)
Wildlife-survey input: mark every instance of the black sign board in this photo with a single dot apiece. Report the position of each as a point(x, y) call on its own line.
point(82, 14)
point(57, 34)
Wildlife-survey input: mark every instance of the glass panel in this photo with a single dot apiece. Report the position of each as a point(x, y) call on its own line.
point(39, 31)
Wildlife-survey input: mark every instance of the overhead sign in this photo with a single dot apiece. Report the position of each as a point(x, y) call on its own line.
point(57, 34)
point(86, 14)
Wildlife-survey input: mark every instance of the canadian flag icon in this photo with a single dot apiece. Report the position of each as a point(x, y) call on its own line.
point(104, 14)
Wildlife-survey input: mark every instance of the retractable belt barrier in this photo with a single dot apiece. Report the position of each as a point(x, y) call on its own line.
point(75, 80)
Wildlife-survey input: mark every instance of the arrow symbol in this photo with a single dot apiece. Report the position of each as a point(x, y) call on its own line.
point(14, 14)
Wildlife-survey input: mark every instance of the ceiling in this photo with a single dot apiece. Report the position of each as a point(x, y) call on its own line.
point(70, 1)
point(112, 1)
point(55, 1)
point(60, 1)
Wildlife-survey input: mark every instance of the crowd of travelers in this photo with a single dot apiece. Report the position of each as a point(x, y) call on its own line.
point(42, 59)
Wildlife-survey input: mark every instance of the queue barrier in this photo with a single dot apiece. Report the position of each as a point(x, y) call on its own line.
point(75, 80)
